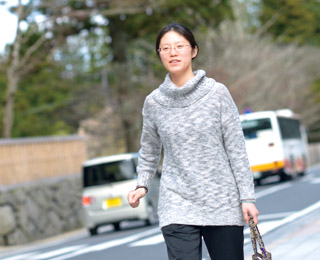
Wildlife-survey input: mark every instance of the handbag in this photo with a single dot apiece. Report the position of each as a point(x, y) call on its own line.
point(256, 237)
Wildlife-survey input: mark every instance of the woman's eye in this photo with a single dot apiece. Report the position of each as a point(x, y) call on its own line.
point(179, 47)
point(165, 48)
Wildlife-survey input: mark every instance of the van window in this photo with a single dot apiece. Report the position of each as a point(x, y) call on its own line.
point(256, 128)
point(106, 173)
point(290, 128)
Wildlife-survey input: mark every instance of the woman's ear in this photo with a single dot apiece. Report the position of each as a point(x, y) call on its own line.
point(194, 52)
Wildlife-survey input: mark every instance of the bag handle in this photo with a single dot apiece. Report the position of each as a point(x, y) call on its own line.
point(253, 236)
point(256, 236)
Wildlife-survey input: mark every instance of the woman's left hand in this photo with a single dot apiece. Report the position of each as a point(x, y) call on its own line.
point(250, 210)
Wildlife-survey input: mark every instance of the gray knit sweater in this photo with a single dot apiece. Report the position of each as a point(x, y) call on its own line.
point(205, 171)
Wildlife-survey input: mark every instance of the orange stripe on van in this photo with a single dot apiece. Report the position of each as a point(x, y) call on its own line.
point(267, 167)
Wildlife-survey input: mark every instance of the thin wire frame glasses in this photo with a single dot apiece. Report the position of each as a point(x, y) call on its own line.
point(178, 48)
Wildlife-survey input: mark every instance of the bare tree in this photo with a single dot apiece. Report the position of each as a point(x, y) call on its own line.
point(261, 74)
point(118, 125)
point(22, 61)
point(18, 66)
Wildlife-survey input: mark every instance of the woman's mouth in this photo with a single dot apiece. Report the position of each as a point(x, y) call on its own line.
point(174, 61)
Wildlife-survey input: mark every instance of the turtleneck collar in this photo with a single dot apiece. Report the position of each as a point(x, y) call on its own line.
point(168, 94)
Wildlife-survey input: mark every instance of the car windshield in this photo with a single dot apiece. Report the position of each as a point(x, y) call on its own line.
point(106, 173)
point(256, 128)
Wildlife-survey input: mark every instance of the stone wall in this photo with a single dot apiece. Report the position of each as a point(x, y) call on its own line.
point(40, 209)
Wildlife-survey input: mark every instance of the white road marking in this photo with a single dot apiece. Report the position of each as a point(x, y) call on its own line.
point(315, 181)
point(57, 252)
point(109, 244)
point(276, 215)
point(157, 239)
point(279, 223)
point(308, 177)
point(21, 256)
point(263, 226)
point(246, 240)
point(271, 190)
point(300, 214)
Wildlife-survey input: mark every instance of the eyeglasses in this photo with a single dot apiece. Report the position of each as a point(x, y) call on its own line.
point(178, 48)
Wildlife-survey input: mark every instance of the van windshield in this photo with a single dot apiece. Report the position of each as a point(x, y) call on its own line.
point(256, 128)
point(106, 173)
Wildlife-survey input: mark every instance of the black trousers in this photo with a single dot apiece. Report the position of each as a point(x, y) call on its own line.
point(184, 242)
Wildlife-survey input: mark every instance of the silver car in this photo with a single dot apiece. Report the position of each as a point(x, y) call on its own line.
point(106, 183)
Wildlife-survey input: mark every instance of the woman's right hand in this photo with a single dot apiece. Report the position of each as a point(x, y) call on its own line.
point(134, 197)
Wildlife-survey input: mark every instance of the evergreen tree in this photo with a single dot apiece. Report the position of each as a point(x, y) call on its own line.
point(295, 20)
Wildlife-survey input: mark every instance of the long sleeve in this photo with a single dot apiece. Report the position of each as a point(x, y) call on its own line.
point(234, 145)
point(150, 151)
point(205, 170)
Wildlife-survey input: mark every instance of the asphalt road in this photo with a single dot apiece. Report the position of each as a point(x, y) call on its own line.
point(278, 203)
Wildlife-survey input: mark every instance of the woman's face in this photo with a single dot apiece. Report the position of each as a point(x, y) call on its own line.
point(176, 53)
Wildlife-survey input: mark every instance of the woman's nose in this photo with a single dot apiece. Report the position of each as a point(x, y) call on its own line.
point(173, 51)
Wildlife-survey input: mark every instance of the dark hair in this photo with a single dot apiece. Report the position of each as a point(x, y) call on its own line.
point(182, 30)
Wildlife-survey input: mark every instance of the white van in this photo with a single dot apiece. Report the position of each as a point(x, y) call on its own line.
point(276, 144)
point(106, 183)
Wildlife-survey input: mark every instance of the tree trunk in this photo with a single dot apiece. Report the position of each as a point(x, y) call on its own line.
point(13, 80)
point(129, 135)
point(120, 40)
point(125, 103)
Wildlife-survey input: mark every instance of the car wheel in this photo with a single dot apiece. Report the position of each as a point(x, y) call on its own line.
point(116, 226)
point(257, 182)
point(152, 216)
point(93, 231)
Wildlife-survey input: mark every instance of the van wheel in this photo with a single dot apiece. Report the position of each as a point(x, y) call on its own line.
point(93, 231)
point(152, 216)
point(116, 226)
point(284, 177)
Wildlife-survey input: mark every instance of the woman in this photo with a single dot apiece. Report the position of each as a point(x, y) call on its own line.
point(206, 187)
